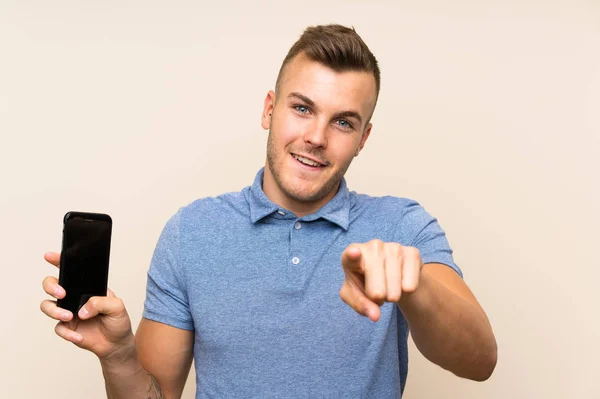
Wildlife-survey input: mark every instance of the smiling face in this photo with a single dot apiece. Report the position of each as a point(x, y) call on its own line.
point(318, 122)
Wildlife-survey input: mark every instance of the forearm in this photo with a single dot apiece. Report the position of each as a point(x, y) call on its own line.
point(125, 378)
point(449, 330)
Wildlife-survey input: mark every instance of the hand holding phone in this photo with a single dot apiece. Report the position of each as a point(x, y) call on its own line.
point(84, 258)
point(102, 324)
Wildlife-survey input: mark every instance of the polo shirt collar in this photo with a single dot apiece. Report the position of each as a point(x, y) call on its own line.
point(336, 211)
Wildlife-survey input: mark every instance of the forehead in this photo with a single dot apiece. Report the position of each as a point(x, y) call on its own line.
point(329, 89)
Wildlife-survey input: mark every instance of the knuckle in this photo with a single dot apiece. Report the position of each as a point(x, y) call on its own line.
point(394, 250)
point(377, 295)
point(393, 297)
point(414, 251)
point(411, 288)
point(46, 307)
point(371, 245)
point(93, 302)
point(46, 283)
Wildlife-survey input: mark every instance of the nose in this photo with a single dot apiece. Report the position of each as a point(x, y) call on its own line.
point(316, 134)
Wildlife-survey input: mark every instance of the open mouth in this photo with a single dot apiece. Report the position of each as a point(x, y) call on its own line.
point(307, 162)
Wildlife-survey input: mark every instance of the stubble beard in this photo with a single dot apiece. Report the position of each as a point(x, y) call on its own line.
point(295, 194)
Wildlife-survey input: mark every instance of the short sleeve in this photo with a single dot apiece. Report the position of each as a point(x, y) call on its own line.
point(421, 230)
point(166, 297)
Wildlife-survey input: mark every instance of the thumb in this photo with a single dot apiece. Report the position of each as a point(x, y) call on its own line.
point(107, 305)
point(352, 259)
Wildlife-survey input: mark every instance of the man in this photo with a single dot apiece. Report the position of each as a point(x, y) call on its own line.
point(295, 286)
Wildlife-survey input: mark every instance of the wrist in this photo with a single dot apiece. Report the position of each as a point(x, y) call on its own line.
point(122, 361)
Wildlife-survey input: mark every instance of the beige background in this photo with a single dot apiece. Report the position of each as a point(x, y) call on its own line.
point(488, 115)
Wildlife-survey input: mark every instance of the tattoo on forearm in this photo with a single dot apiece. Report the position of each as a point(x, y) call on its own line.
point(154, 389)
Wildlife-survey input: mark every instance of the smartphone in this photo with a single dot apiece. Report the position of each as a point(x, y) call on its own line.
point(84, 258)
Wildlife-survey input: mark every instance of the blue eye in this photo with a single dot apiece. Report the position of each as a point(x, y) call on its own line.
point(302, 109)
point(344, 124)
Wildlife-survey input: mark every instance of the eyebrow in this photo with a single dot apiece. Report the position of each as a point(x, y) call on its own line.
point(311, 103)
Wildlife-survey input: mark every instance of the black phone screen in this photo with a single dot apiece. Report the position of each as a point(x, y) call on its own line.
point(84, 258)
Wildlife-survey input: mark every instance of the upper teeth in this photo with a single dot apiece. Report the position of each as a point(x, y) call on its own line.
point(306, 161)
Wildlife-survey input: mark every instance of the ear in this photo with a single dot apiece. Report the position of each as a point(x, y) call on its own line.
point(364, 138)
point(268, 110)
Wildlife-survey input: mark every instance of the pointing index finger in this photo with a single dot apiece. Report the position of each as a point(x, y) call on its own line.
point(352, 259)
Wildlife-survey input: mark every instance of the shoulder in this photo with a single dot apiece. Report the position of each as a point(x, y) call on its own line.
point(402, 216)
point(391, 206)
point(215, 207)
point(206, 213)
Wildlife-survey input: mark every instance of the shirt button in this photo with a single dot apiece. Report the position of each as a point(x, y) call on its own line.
point(295, 260)
point(297, 225)
point(282, 213)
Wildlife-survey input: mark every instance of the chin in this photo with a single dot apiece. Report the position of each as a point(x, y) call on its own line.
point(303, 194)
point(304, 191)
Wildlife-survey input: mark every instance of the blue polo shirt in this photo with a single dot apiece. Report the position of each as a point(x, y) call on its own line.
point(260, 289)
